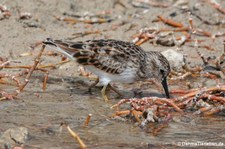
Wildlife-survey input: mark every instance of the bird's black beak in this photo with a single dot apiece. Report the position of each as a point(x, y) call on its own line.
point(165, 86)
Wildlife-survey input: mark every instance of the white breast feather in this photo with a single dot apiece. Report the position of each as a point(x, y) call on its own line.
point(105, 78)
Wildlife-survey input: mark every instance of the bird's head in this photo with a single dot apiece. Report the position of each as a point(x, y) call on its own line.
point(159, 68)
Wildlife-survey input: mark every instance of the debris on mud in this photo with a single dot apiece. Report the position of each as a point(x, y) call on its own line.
point(4, 12)
point(13, 137)
point(147, 110)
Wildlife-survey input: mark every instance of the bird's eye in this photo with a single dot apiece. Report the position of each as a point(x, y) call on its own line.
point(161, 71)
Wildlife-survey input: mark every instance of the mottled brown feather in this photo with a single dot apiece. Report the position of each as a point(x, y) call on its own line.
point(108, 55)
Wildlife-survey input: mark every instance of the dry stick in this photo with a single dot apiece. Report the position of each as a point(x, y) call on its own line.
point(26, 67)
point(170, 22)
point(135, 113)
point(45, 81)
point(190, 20)
point(119, 113)
point(190, 95)
point(6, 96)
point(221, 88)
point(120, 103)
point(74, 21)
point(4, 63)
point(157, 130)
point(212, 111)
point(36, 61)
point(217, 6)
point(213, 97)
point(39, 67)
point(14, 78)
point(141, 41)
point(181, 77)
point(22, 86)
point(180, 91)
point(85, 33)
point(53, 65)
point(5, 82)
point(172, 104)
point(204, 33)
point(203, 110)
point(87, 120)
point(182, 29)
point(75, 135)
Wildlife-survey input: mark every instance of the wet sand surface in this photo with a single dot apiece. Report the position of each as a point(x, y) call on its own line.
point(65, 99)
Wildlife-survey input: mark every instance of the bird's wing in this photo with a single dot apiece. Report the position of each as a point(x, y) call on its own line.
point(111, 56)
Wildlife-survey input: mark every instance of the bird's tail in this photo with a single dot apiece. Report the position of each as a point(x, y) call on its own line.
point(62, 47)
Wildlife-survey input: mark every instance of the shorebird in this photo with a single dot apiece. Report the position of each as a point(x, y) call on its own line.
point(115, 61)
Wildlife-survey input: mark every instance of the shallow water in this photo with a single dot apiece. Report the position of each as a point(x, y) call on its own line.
point(44, 113)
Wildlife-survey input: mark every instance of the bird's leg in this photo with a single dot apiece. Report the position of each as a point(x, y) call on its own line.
point(93, 85)
point(115, 90)
point(104, 91)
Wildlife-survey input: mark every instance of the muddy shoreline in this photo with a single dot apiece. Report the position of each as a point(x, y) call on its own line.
point(65, 100)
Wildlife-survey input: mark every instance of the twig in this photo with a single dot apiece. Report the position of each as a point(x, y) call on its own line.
point(205, 101)
point(170, 22)
point(36, 61)
point(87, 120)
point(38, 67)
point(45, 81)
point(76, 137)
point(217, 6)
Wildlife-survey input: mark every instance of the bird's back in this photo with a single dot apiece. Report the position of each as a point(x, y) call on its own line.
point(111, 56)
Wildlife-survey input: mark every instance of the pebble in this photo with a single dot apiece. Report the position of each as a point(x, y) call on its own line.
point(176, 59)
point(14, 137)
